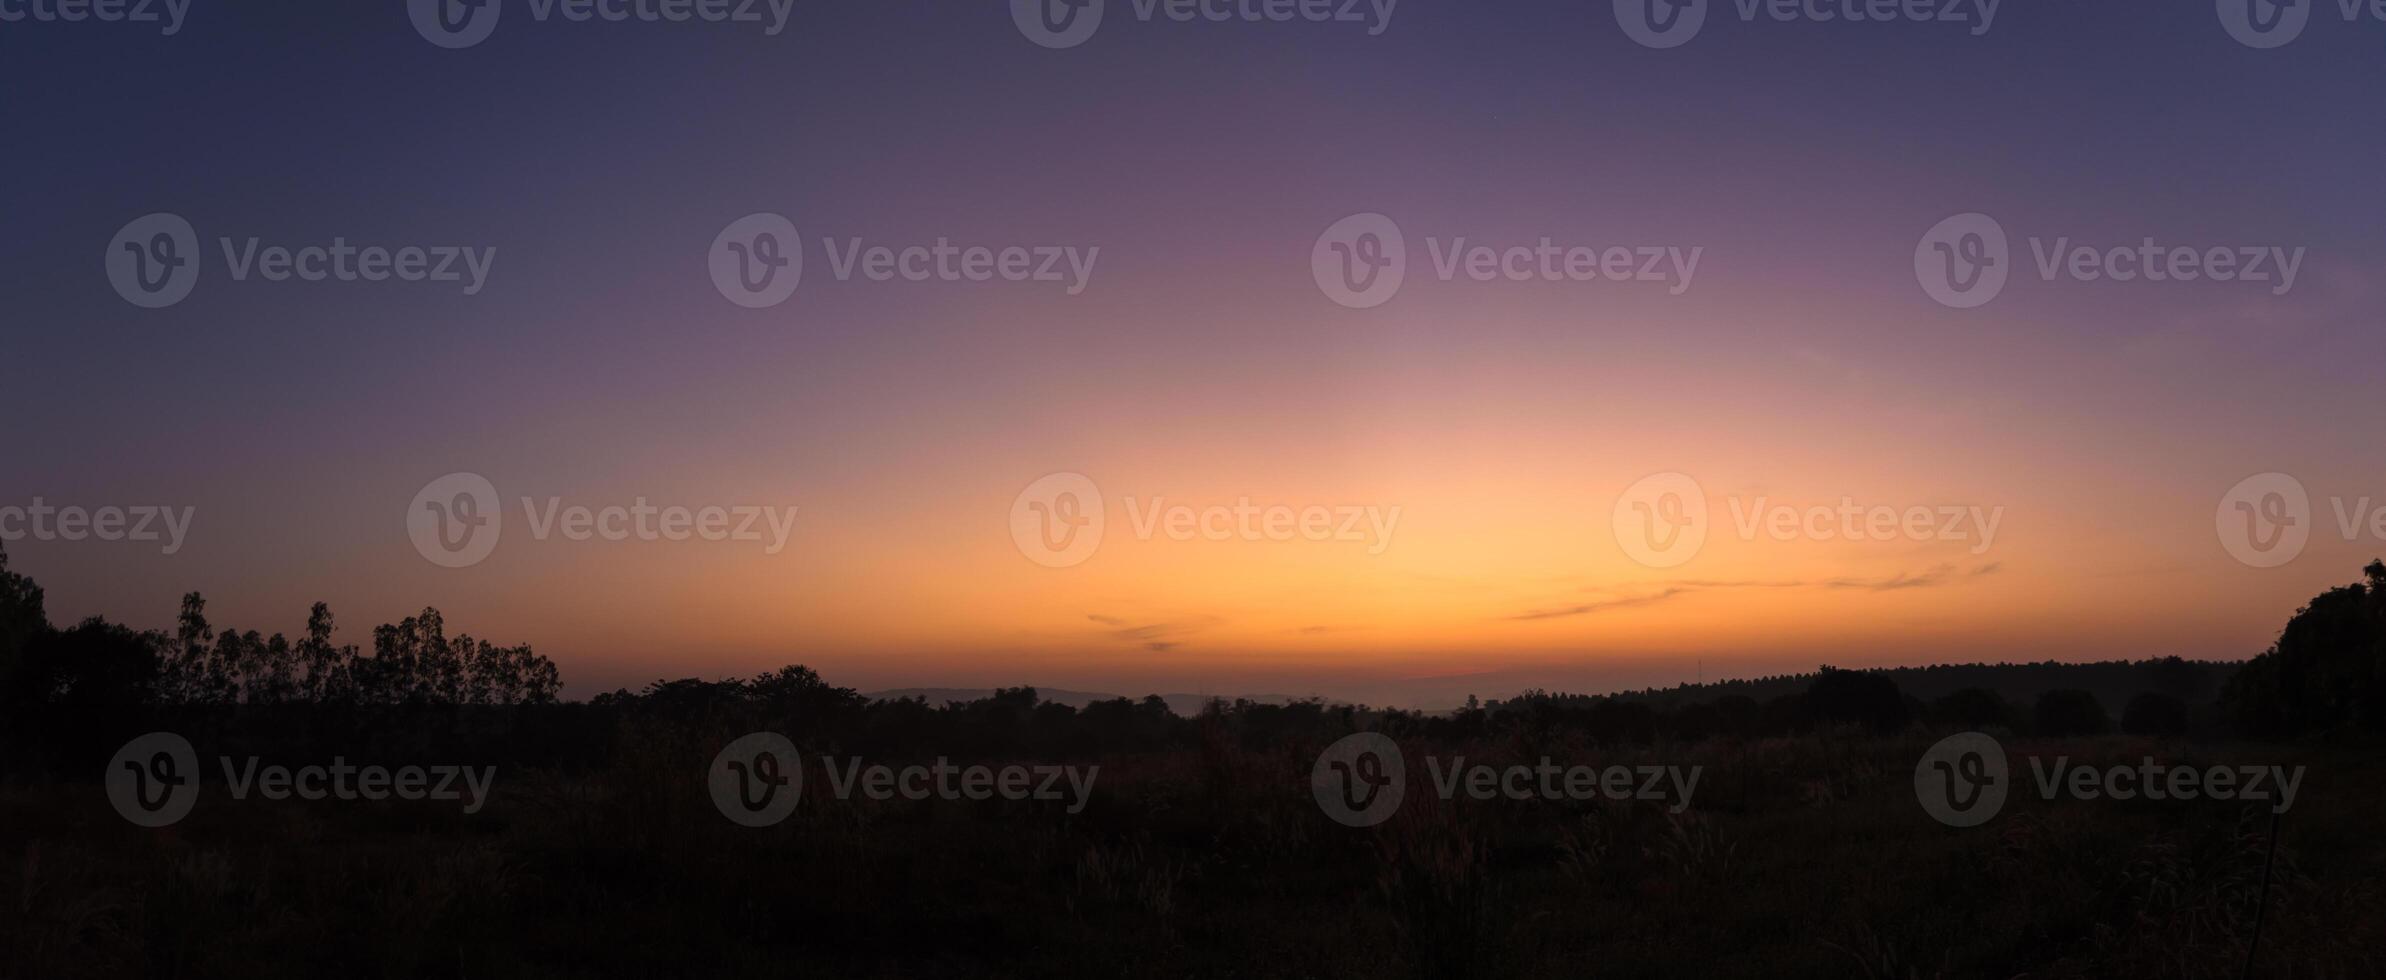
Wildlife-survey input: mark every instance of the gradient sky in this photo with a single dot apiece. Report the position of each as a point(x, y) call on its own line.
point(1203, 364)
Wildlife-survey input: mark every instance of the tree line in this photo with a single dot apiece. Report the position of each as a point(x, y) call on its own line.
point(2325, 674)
point(98, 663)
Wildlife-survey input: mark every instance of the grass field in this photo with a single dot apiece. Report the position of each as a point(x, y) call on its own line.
point(1805, 856)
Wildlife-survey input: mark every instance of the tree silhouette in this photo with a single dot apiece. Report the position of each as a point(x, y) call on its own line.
point(95, 664)
point(2067, 712)
point(2326, 672)
point(1973, 707)
point(1861, 697)
point(2155, 714)
point(21, 619)
point(413, 662)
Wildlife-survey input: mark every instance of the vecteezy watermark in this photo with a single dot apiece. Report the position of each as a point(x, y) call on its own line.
point(758, 260)
point(1360, 780)
point(153, 781)
point(167, 13)
point(1965, 261)
point(1963, 781)
point(154, 261)
point(1672, 23)
point(2266, 24)
point(464, 23)
point(41, 521)
point(1663, 520)
point(1069, 23)
point(2267, 519)
point(756, 781)
point(455, 521)
point(1362, 260)
point(1059, 520)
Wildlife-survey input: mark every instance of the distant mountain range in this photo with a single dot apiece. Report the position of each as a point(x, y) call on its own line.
point(2112, 682)
point(1186, 705)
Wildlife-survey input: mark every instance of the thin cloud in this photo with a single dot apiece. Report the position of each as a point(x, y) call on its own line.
point(1594, 607)
point(1672, 591)
point(1931, 579)
point(1156, 637)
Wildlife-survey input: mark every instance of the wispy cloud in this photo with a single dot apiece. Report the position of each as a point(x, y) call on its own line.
point(1937, 576)
point(1156, 637)
point(1593, 607)
point(1931, 579)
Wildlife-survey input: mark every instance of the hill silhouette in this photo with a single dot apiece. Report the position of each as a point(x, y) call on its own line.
point(1186, 705)
point(603, 849)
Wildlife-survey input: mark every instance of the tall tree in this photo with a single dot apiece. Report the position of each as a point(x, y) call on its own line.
point(22, 618)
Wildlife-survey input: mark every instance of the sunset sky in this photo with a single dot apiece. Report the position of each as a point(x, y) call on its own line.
point(1202, 364)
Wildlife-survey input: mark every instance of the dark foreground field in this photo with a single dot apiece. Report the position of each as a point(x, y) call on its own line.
point(1202, 856)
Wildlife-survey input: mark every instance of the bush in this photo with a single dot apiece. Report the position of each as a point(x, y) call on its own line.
point(2326, 672)
point(1865, 698)
point(1973, 707)
point(2154, 714)
point(2069, 712)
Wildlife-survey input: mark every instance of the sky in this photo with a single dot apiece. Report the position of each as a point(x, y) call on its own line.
point(1446, 486)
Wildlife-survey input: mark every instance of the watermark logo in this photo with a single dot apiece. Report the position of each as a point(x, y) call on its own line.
point(757, 261)
point(1851, 520)
point(1965, 779)
point(1057, 522)
point(1672, 23)
point(2153, 780)
point(455, 520)
point(1963, 261)
point(1661, 521)
point(454, 23)
point(464, 23)
point(756, 780)
point(1057, 24)
point(2265, 520)
point(169, 13)
point(43, 521)
point(1069, 23)
point(2266, 24)
point(1661, 23)
point(1360, 780)
point(1360, 261)
point(154, 260)
point(1551, 780)
point(1962, 781)
point(153, 781)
